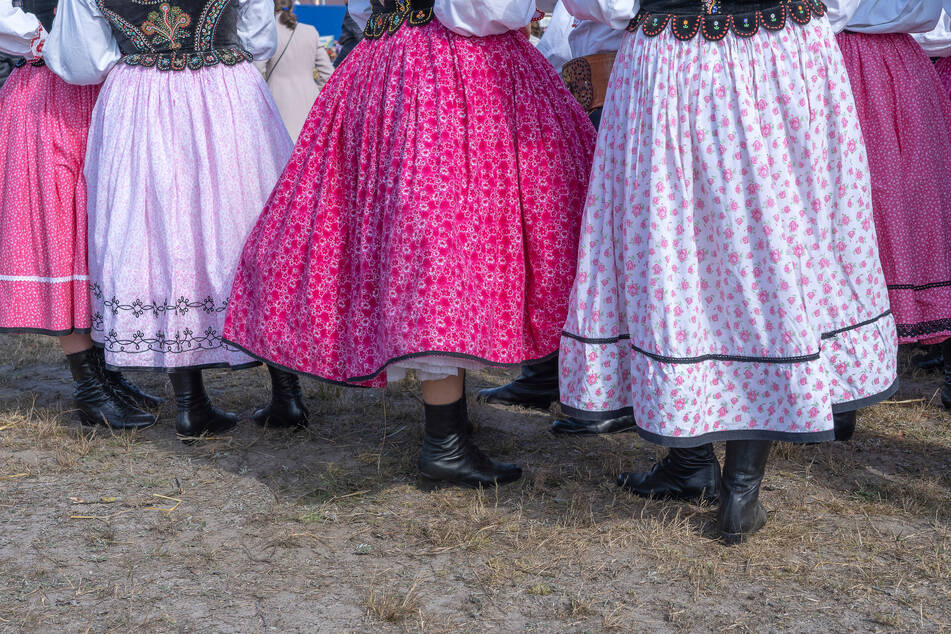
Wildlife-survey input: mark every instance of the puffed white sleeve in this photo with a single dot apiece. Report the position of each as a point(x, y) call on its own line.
point(840, 12)
point(554, 44)
point(485, 17)
point(19, 31)
point(937, 42)
point(256, 29)
point(615, 13)
point(81, 48)
point(895, 16)
point(360, 11)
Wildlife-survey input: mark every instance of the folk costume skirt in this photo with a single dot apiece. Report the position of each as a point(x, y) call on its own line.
point(428, 217)
point(44, 282)
point(179, 166)
point(906, 120)
point(729, 285)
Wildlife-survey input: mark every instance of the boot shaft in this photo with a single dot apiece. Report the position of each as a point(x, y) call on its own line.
point(189, 389)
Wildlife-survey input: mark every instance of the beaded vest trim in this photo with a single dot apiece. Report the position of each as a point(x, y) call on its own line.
point(187, 35)
point(714, 25)
point(389, 16)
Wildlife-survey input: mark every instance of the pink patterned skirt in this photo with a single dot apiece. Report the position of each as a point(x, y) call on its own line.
point(729, 285)
point(430, 211)
point(44, 281)
point(943, 68)
point(906, 120)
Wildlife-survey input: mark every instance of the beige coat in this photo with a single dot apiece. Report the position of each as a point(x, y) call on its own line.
point(291, 73)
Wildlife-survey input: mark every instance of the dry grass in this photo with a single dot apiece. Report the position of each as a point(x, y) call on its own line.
point(326, 530)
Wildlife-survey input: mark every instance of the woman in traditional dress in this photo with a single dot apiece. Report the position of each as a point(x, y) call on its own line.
point(44, 282)
point(299, 68)
point(729, 286)
point(428, 218)
point(185, 144)
point(906, 121)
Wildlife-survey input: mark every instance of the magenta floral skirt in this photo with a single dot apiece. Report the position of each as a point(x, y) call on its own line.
point(431, 209)
point(729, 284)
point(906, 121)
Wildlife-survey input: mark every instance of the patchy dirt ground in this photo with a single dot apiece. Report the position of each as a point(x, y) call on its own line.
point(326, 530)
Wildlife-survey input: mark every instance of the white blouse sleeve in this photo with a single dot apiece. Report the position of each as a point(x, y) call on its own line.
point(554, 45)
point(895, 16)
point(18, 31)
point(615, 13)
point(937, 42)
point(485, 17)
point(257, 31)
point(840, 12)
point(81, 48)
point(360, 11)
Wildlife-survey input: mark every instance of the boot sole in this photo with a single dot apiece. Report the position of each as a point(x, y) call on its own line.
point(89, 421)
point(430, 483)
point(271, 423)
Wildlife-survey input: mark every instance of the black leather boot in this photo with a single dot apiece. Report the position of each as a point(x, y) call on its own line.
point(97, 403)
point(683, 474)
point(844, 425)
point(946, 388)
point(741, 513)
point(449, 455)
point(124, 388)
point(286, 408)
point(196, 415)
point(574, 426)
point(536, 386)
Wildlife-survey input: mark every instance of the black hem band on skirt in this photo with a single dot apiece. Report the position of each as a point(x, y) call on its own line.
point(351, 382)
point(43, 331)
point(735, 434)
point(153, 368)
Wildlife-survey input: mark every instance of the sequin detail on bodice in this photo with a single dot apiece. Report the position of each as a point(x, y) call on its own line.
point(176, 34)
point(389, 15)
point(714, 19)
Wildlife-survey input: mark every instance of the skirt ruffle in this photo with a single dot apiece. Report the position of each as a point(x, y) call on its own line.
point(906, 121)
point(729, 285)
point(44, 280)
point(431, 208)
point(179, 168)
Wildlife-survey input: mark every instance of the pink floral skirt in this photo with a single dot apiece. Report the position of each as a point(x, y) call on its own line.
point(906, 120)
point(431, 209)
point(729, 284)
point(44, 280)
point(943, 68)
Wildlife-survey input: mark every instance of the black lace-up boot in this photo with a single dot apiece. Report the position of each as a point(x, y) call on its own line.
point(844, 425)
point(946, 388)
point(684, 474)
point(196, 415)
point(95, 399)
point(450, 456)
point(286, 408)
point(124, 388)
point(536, 386)
point(741, 513)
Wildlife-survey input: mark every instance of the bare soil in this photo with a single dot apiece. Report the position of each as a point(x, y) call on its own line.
point(327, 530)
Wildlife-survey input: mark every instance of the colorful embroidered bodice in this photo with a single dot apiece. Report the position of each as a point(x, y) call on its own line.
point(716, 18)
point(176, 34)
point(389, 15)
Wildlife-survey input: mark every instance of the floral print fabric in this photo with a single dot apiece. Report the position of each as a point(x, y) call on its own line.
point(728, 280)
point(431, 208)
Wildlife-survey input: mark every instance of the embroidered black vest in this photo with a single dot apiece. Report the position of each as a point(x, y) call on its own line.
point(389, 15)
point(716, 18)
point(176, 34)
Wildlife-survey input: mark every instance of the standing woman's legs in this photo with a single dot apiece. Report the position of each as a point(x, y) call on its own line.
point(449, 455)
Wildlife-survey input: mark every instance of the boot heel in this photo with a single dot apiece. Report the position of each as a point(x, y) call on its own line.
point(88, 420)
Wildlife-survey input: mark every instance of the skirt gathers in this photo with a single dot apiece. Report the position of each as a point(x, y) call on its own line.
point(906, 121)
point(729, 284)
point(179, 167)
point(431, 209)
point(44, 281)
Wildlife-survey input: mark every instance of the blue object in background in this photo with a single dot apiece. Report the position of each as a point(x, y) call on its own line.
point(327, 19)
